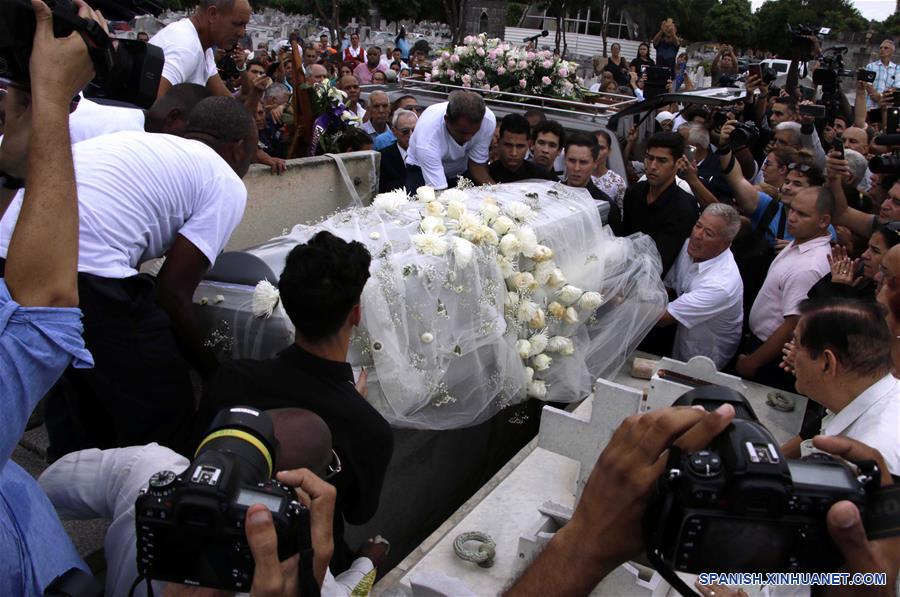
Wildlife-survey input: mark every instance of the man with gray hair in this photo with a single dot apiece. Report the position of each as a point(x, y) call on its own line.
point(885, 71)
point(709, 308)
point(379, 109)
point(451, 138)
point(393, 157)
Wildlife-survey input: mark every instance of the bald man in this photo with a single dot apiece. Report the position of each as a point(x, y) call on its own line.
point(856, 139)
point(316, 73)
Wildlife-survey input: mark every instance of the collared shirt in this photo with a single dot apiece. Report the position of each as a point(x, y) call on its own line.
point(438, 154)
point(364, 73)
point(370, 130)
point(872, 418)
point(385, 139)
point(501, 173)
point(792, 274)
point(668, 220)
point(36, 345)
point(885, 77)
point(709, 308)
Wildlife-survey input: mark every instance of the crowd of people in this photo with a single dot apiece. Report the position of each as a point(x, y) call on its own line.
point(778, 242)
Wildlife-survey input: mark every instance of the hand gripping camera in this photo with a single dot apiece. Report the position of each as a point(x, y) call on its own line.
point(190, 526)
point(739, 506)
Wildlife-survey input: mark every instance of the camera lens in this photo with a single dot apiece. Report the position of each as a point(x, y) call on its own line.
point(885, 164)
point(249, 435)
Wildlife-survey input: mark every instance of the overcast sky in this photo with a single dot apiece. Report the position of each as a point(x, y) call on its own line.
point(870, 9)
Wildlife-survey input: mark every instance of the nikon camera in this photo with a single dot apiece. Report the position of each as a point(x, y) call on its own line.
point(190, 527)
point(739, 506)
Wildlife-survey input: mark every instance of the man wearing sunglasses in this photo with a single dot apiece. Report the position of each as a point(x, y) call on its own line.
point(393, 157)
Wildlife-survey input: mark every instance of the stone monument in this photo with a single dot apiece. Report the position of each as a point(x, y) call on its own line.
point(485, 16)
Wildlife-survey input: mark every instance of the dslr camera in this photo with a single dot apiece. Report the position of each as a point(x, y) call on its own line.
point(190, 526)
point(126, 70)
point(739, 506)
point(887, 164)
point(743, 135)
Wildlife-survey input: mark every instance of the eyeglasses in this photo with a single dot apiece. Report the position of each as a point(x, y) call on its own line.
point(334, 467)
point(799, 167)
point(405, 130)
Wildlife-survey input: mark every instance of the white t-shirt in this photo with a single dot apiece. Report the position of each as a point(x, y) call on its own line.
point(137, 191)
point(91, 119)
point(709, 308)
point(186, 62)
point(440, 157)
point(791, 275)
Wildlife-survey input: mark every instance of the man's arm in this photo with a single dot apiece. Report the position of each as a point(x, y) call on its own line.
point(688, 170)
point(745, 194)
point(164, 86)
point(217, 87)
point(480, 173)
point(749, 364)
point(185, 266)
point(860, 107)
point(859, 222)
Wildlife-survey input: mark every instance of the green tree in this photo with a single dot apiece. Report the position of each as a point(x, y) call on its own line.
point(890, 27)
point(396, 10)
point(774, 16)
point(731, 21)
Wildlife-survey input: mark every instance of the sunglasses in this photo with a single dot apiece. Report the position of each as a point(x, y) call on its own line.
point(799, 167)
point(405, 131)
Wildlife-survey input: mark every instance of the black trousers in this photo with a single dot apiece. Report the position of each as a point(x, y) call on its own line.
point(139, 390)
point(415, 179)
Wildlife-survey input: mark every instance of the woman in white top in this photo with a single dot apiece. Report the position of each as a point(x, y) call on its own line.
point(605, 179)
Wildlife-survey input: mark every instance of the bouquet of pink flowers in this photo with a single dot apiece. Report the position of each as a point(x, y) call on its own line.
point(496, 65)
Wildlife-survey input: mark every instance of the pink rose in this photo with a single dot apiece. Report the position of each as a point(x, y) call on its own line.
point(545, 80)
point(429, 75)
point(435, 72)
point(454, 59)
point(495, 88)
point(480, 51)
point(492, 54)
point(547, 64)
point(446, 55)
point(523, 83)
point(529, 56)
point(564, 72)
point(511, 63)
point(466, 79)
point(522, 65)
point(451, 73)
point(501, 71)
point(486, 87)
point(480, 74)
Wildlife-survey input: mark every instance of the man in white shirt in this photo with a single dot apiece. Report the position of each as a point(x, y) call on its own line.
point(885, 71)
point(142, 196)
point(349, 84)
point(188, 43)
point(842, 360)
point(709, 308)
point(793, 272)
point(451, 138)
point(379, 110)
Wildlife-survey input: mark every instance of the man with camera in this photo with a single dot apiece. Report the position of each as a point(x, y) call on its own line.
point(886, 72)
point(321, 289)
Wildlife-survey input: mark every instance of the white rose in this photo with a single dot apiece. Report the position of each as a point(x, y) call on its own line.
point(430, 244)
point(390, 202)
point(568, 294)
point(503, 225)
point(518, 211)
point(562, 345)
point(529, 375)
point(507, 267)
point(543, 270)
point(488, 235)
point(537, 389)
point(432, 225)
point(523, 282)
point(489, 211)
point(571, 316)
point(539, 342)
point(463, 251)
point(523, 348)
point(541, 362)
point(542, 253)
point(467, 220)
point(538, 321)
point(528, 239)
point(425, 194)
point(510, 245)
point(556, 310)
point(556, 278)
point(455, 209)
point(526, 310)
point(589, 301)
point(434, 208)
point(453, 195)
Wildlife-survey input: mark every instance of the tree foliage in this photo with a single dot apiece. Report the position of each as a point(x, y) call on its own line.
point(730, 21)
point(774, 17)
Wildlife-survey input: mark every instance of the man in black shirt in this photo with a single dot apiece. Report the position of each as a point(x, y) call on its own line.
point(320, 290)
point(582, 153)
point(513, 147)
point(656, 206)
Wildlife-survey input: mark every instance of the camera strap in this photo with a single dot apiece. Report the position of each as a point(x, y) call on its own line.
point(882, 517)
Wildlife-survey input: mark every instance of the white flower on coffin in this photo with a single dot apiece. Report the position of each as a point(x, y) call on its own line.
point(453, 195)
point(510, 245)
point(529, 375)
point(568, 294)
point(528, 239)
point(489, 211)
point(432, 225)
point(556, 310)
point(488, 236)
point(556, 279)
point(265, 299)
point(523, 348)
point(463, 251)
point(571, 315)
point(425, 194)
point(562, 345)
point(538, 321)
point(434, 208)
point(503, 225)
point(518, 211)
point(523, 282)
point(467, 220)
point(512, 300)
point(589, 301)
point(542, 254)
point(507, 267)
point(455, 209)
point(391, 202)
point(539, 343)
point(430, 244)
point(542, 271)
point(537, 389)
point(526, 311)
point(541, 362)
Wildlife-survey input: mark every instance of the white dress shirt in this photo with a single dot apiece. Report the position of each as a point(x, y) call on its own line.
point(709, 308)
point(438, 155)
point(791, 275)
point(872, 418)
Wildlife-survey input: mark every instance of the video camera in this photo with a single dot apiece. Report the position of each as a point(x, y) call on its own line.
point(832, 67)
point(190, 527)
point(887, 164)
point(801, 37)
point(126, 70)
point(740, 506)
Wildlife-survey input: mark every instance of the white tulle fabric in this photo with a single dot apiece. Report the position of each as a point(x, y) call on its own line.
point(442, 352)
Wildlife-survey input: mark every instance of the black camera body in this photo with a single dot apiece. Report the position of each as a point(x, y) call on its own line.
point(866, 76)
point(190, 527)
point(126, 70)
point(739, 506)
point(744, 134)
point(887, 164)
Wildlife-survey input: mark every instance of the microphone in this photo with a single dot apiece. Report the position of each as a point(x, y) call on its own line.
point(543, 33)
